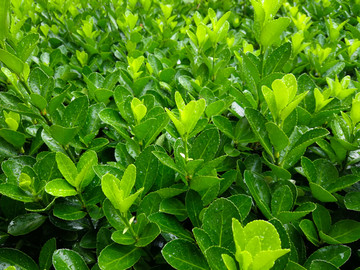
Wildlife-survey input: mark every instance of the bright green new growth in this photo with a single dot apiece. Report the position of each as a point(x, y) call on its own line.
point(189, 115)
point(339, 89)
point(355, 110)
point(118, 191)
point(139, 109)
point(257, 244)
point(78, 177)
point(282, 99)
point(267, 30)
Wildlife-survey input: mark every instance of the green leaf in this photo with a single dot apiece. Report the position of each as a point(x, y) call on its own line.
point(14, 257)
point(201, 183)
point(243, 203)
point(68, 259)
point(342, 183)
point(194, 206)
point(217, 222)
point(150, 204)
point(352, 201)
point(7, 150)
point(170, 224)
point(267, 233)
point(4, 19)
point(63, 135)
point(277, 137)
point(277, 59)
point(113, 118)
point(281, 200)
point(119, 257)
point(67, 168)
point(121, 238)
point(224, 125)
point(229, 262)
point(301, 211)
point(321, 194)
point(15, 138)
point(272, 30)
point(68, 211)
point(202, 239)
point(24, 224)
point(128, 180)
point(336, 255)
point(184, 255)
point(149, 129)
point(322, 265)
point(76, 112)
point(46, 253)
point(85, 169)
point(12, 62)
point(300, 146)
point(148, 235)
point(60, 188)
point(174, 207)
point(215, 259)
point(265, 259)
point(322, 218)
point(214, 108)
point(205, 145)
point(308, 228)
point(15, 193)
point(37, 80)
point(257, 122)
point(260, 192)
point(309, 169)
point(146, 169)
point(168, 161)
point(191, 114)
point(345, 231)
point(113, 215)
point(38, 101)
point(27, 45)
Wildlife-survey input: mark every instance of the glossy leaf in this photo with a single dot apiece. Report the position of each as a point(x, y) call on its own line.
point(24, 224)
point(14, 257)
point(182, 254)
point(119, 257)
point(68, 259)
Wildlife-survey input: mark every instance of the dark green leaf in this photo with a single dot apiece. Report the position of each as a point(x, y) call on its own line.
point(14, 257)
point(336, 255)
point(217, 222)
point(170, 224)
point(68, 259)
point(46, 253)
point(184, 255)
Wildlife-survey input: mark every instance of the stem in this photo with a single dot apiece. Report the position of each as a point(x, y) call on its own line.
point(186, 149)
point(124, 219)
point(213, 64)
point(70, 154)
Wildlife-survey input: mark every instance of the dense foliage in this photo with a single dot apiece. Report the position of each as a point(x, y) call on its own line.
point(186, 134)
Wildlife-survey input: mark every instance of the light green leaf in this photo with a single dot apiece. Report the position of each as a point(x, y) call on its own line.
point(60, 188)
point(272, 30)
point(67, 168)
point(277, 137)
point(12, 62)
